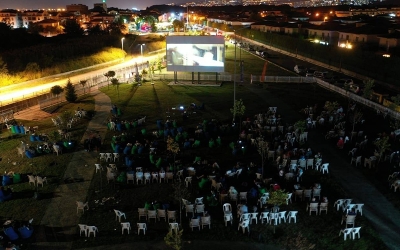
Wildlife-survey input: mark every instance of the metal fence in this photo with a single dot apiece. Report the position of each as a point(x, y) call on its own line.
point(282, 79)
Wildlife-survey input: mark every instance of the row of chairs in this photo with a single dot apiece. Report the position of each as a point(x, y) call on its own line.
point(37, 180)
point(350, 232)
point(109, 157)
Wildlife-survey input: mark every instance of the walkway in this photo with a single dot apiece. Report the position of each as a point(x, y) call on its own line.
point(59, 223)
point(379, 211)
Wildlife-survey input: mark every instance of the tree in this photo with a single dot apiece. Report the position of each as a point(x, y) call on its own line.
point(331, 106)
point(83, 83)
point(72, 28)
point(159, 65)
point(70, 93)
point(32, 70)
point(277, 198)
point(174, 240)
point(369, 84)
point(110, 74)
point(3, 67)
point(238, 110)
point(354, 118)
point(96, 30)
point(115, 83)
point(144, 73)
point(395, 102)
point(382, 145)
point(173, 147)
point(180, 192)
point(263, 151)
point(178, 25)
point(56, 90)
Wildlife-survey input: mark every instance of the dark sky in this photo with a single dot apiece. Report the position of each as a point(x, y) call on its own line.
point(55, 4)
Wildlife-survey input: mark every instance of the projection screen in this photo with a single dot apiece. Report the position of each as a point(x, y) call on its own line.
point(195, 53)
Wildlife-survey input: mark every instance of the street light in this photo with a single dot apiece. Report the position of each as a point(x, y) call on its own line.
point(122, 43)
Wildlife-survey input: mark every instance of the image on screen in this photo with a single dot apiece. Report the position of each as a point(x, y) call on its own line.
point(195, 57)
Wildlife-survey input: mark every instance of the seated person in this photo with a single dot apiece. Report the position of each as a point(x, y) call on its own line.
point(243, 209)
point(25, 231)
point(340, 143)
point(232, 191)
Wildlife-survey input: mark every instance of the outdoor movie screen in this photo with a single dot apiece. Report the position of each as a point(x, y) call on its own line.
point(195, 53)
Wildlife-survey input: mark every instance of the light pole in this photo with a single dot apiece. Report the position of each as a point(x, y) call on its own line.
point(122, 43)
point(234, 82)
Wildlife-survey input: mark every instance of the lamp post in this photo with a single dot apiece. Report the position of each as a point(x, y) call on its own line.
point(122, 43)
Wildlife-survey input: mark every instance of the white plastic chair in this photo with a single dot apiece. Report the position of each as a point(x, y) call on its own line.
point(310, 163)
point(228, 217)
point(200, 209)
point(324, 168)
point(118, 215)
point(109, 157)
point(264, 216)
point(147, 177)
point(227, 208)
point(298, 193)
point(356, 231)
point(154, 177)
point(349, 220)
point(161, 214)
point(273, 216)
point(32, 179)
point(198, 201)
point(92, 229)
point(205, 221)
point(253, 216)
point(98, 167)
point(194, 223)
point(233, 198)
point(152, 214)
point(339, 203)
point(189, 209)
point(130, 177)
point(289, 198)
point(83, 228)
point(244, 225)
point(142, 213)
point(313, 207)
point(292, 215)
point(40, 180)
point(141, 226)
point(126, 226)
point(139, 178)
point(244, 217)
point(308, 193)
point(81, 206)
point(282, 216)
point(171, 215)
point(323, 207)
point(316, 193)
point(174, 227)
point(161, 176)
point(116, 156)
point(346, 232)
point(169, 176)
point(358, 208)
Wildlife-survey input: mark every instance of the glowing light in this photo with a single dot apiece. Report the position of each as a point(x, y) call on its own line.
point(386, 55)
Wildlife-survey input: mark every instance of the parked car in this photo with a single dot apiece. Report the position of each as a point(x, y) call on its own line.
point(320, 74)
point(299, 69)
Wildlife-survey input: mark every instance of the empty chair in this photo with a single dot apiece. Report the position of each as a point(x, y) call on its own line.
point(92, 229)
point(195, 223)
point(228, 217)
point(81, 206)
point(253, 216)
point(200, 209)
point(126, 226)
point(161, 214)
point(349, 220)
point(147, 177)
point(109, 157)
point(103, 157)
point(274, 217)
point(346, 232)
point(264, 216)
point(324, 168)
point(198, 201)
point(152, 214)
point(310, 163)
point(356, 231)
point(323, 207)
point(245, 216)
point(316, 193)
point(130, 177)
point(116, 156)
point(141, 226)
point(338, 204)
point(82, 229)
point(174, 227)
point(289, 198)
point(244, 225)
point(227, 208)
point(139, 177)
point(171, 215)
point(142, 213)
point(118, 215)
point(161, 176)
point(185, 202)
point(358, 208)
point(313, 207)
point(189, 209)
point(40, 180)
point(98, 167)
point(282, 216)
point(307, 193)
point(292, 215)
point(298, 193)
point(206, 221)
point(32, 179)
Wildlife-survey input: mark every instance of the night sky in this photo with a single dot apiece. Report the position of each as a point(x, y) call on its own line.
point(55, 4)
